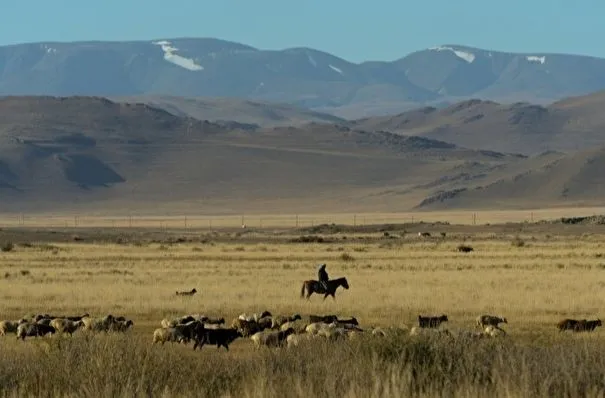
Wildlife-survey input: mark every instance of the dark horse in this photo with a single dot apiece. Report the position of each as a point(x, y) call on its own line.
point(312, 286)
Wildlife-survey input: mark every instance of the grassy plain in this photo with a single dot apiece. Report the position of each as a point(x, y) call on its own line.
point(532, 274)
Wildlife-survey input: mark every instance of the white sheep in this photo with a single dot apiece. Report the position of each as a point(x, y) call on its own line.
point(315, 327)
point(418, 331)
point(10, 326)
point(294, 340)
point(162, 335)
point(254, 317)
point(271, 339)
point(484, 320)
point(62, 325)
point(494, 331)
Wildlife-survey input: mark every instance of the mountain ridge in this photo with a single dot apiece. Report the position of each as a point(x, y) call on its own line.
point(301, 76)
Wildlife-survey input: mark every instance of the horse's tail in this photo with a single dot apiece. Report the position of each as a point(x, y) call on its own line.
point(302, 290)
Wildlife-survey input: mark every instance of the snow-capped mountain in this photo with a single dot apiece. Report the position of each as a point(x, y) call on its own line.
point(301, 76)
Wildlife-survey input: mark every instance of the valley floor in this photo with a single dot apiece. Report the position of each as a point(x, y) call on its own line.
point(533, 274)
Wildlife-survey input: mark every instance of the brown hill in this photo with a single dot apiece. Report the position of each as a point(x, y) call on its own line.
point(222, 110)
point(573, 124)
point(574, 180)
point(86, 153)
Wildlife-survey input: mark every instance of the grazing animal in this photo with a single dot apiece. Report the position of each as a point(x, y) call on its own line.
point(345, 322)
point(77, 318)
point(494, 331)
point(279, 320)
point(212, 321)
point(10, 326)
point(431, 321)
point(121, 326)
point(310, 286)
point(464, 249)
point(246, 328)
point(587, 326)
point(162, 335)
point(189, 293)
point(99, 324)
point(255, 317)
point(271, 339)
point(294, 340)
point(322, 318)
point(62, 325)
point(485, 320)
point(218, 337)
point(33, 330)
point(424, 234)
point(567, 324)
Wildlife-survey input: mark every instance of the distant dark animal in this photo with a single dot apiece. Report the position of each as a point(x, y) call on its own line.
point(322, 318)
point(33, 330)
point(431, 321)
point(218, 337)
point(212, 321)
point(311, 286)
point(587, 326)
point(567, 324)
point(352, 321)
point(464, 249)
point(424, 234)
point(189, 293)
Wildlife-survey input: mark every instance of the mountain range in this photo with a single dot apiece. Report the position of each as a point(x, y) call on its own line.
point(206, 67)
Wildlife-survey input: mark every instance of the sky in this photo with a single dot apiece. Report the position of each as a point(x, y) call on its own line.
point(355, 30)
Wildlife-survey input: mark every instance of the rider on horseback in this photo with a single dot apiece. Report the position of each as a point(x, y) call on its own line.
point(322, 276)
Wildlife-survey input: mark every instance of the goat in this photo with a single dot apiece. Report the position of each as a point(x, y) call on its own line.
point(218, 337)
point(431, 321)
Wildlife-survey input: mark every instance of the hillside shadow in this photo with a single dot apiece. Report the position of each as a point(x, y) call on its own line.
point(88, 171)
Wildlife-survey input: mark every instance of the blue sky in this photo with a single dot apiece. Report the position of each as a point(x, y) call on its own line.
point(355, 30)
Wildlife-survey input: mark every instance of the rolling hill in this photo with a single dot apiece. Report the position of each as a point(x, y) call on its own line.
point(572, 124)
point(75, 153)
point(206, 67)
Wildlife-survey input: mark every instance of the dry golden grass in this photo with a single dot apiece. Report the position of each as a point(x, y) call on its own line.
point(393, 279)
point(194, 221)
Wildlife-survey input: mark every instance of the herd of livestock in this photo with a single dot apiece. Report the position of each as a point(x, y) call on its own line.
point(263, 329)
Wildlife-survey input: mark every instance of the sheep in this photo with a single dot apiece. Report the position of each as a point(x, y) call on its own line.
point(484, 320)
point(314, 328)
point(166, 323)
point(46, 321)
point(271, 339)
point(587, 326)
point(212, 321)
point(218, 337)
point(121, 326)
point(255, 317)
point(162, 335)
point(279, 320)
point(33, 330)
point(293, 340)
point(322, 318)
point(567, 324)
point(189, 330)
point(332, 333)
point(347, 322)
point(10, 326)
point(494, 331)
point(248, 328)
point(78, 317)
point(98, 325)
point(431, 322)
point(297, 326)
point(189, 293)
point(66, 326)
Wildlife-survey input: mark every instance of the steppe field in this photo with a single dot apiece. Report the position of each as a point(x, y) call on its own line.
point(534, 274)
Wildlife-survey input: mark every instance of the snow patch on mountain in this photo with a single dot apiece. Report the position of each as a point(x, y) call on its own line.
point(468, 57)
point(170, 56)
point(533, 58)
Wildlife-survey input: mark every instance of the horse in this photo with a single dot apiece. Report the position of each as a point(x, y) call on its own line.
point(313, 286)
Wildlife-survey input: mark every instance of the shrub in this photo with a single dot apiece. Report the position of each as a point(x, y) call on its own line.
point(7, 246)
